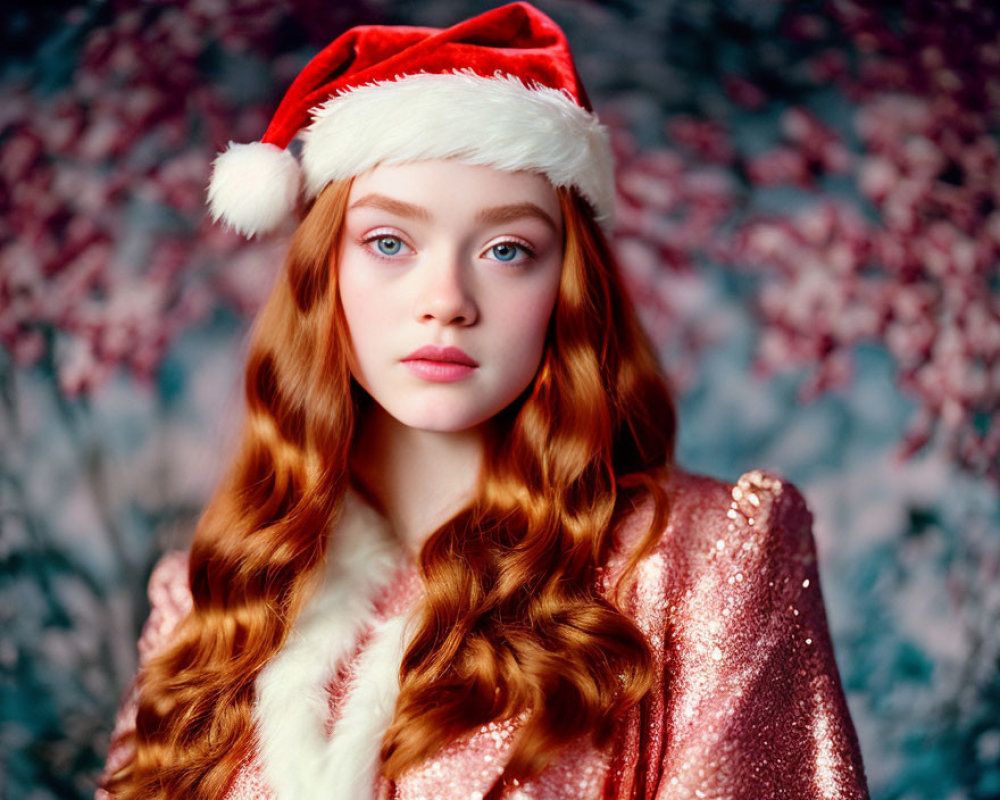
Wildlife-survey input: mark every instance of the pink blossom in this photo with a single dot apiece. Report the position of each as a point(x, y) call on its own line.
point(829, 66)
point(744, 93)
point(136, 127)
point(806, 27)
point(708, 139)
point(779, 165)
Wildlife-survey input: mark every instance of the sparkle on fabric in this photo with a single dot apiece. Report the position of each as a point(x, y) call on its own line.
point(748, 703)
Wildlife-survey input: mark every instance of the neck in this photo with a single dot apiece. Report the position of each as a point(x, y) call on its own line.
point(420, 479)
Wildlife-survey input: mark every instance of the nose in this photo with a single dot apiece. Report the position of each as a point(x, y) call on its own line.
point(444, 295)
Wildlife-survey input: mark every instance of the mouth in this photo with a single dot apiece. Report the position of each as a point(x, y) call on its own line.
point(440, 364)
point(442, 355)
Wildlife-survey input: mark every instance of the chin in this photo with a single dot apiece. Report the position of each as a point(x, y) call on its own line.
point(444, 420)
point(439, 424)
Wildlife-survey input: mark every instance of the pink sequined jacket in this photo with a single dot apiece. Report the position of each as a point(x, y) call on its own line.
point(749, 704)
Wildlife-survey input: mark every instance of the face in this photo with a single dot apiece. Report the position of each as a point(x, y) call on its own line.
point(448, 274)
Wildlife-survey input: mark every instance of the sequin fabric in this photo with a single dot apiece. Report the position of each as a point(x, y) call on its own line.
point(749, 703)
point(169, 601)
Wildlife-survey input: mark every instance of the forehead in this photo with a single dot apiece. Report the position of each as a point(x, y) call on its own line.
point(451, 185)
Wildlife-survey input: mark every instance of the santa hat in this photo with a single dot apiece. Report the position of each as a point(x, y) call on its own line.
point(499, 89)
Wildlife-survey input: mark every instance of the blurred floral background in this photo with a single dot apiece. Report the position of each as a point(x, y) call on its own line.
point(810, 224)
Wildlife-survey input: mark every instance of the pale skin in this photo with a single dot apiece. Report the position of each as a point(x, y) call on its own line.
point(439, 254)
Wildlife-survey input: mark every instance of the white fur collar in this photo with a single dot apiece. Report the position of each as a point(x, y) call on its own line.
point(298, 760)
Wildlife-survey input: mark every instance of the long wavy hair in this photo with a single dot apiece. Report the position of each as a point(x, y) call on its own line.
point(512, 621)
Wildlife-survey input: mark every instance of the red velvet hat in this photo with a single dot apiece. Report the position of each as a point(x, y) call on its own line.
point(499, 89)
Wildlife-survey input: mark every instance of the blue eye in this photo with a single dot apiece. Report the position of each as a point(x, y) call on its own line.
point(389, 245)
point(508, 252)
point(504, 252)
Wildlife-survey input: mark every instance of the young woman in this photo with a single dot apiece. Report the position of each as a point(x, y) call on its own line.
point(453, 557)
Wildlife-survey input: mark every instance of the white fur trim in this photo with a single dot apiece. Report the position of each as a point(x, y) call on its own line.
point(298, 761)
point(351, 761)
point(254, 187)
point(496, 121)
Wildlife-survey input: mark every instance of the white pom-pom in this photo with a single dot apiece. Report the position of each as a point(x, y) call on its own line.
point(254, 187)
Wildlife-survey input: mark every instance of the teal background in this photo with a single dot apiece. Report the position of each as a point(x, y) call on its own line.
point(124, 314)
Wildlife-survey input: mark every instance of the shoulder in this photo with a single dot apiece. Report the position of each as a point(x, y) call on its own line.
point(169, 600)
point(729, 600)
point(720, 535)
point(759, 511)
point(700, 508)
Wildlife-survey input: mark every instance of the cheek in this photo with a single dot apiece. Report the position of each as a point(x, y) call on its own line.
point(359, 315)
point(533, 323)
point(355, 298)
point(527, 325)
point(364, 317)
point(364, 295)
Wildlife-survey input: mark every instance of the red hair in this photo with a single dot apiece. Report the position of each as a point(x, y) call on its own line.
point(512, 621)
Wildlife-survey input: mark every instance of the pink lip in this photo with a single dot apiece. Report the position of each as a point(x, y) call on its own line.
point(440, 364)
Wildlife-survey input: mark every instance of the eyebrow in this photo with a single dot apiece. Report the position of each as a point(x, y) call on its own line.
point(393, 206)
point(497, 215)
